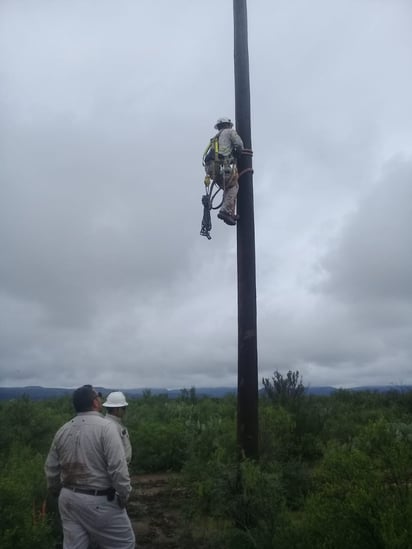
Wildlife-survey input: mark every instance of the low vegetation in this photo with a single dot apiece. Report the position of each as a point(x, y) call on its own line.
point(334, 472)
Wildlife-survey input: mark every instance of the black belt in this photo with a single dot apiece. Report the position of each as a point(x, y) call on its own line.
point(90, 492)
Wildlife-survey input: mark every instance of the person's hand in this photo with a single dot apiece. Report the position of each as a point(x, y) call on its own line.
point(54, 491)
point(237, 152)
point(121, 502)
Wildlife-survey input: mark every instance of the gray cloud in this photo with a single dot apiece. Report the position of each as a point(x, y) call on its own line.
point(372, 260)
point(106, 109)
point(356, 321)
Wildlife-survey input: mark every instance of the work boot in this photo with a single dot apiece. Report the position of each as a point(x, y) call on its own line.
point(227, 217)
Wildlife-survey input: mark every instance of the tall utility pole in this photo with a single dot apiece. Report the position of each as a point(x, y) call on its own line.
point(247, 400)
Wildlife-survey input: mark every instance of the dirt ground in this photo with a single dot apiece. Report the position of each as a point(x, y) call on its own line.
point(156, 509)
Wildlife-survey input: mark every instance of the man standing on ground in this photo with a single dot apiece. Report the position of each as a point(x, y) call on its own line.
point(116, 406)
point(86, 466)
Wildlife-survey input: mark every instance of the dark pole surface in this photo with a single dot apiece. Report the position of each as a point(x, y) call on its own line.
point(247, 400)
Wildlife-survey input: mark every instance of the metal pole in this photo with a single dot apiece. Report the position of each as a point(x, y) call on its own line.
point(247, 399)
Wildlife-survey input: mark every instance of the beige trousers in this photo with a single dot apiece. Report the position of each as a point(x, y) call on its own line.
point(87, 518)
point(230, 189)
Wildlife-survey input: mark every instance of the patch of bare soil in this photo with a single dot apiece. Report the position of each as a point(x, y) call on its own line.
point(155, 509)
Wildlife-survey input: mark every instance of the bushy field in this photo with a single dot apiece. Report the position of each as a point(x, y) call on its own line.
point(334, 472)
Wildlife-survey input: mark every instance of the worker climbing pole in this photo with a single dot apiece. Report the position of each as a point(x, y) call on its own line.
point(220, 163)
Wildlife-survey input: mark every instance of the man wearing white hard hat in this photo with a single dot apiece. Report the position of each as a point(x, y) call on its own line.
point(116, 409)
point(220, 162)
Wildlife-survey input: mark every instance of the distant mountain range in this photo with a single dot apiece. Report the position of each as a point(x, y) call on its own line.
point(41, 393)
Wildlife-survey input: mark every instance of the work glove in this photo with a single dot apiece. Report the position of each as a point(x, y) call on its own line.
point(237, 152)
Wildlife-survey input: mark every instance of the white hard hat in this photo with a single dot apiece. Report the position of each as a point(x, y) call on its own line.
point(223, 120)
point(115, 400)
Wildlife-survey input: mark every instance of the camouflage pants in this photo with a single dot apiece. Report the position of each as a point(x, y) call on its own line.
point(225, 174)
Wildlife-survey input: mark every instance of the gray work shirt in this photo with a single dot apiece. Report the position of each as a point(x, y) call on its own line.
point(87, 452)
point(228, 139)
point(124, 435)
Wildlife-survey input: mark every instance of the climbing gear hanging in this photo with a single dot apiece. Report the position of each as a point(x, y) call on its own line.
point(206, 226)
point(207, 201)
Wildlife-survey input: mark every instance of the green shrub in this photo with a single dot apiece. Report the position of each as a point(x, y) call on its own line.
point(249, 499)
point(34, 424)
point(158, 447)
point(361, 496)
point(22, 497)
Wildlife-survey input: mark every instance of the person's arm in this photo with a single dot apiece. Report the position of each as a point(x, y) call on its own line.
point(52, 471)
point(237, 143)
point(116, 462)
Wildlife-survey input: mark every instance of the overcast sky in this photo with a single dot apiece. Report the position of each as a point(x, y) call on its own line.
point(106, 107)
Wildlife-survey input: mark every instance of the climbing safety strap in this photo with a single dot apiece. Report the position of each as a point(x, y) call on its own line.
point(212, 150)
